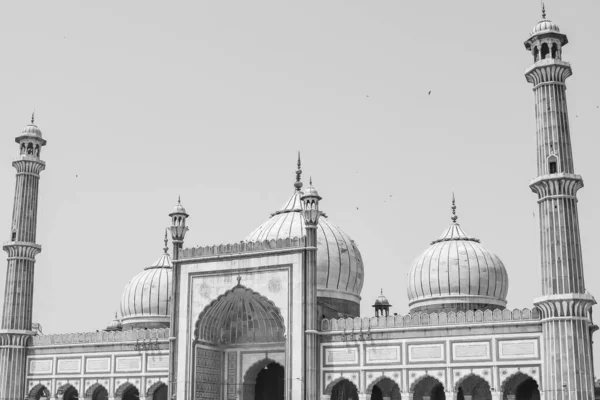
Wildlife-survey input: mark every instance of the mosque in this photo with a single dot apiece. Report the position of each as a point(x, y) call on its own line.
point(276, 316)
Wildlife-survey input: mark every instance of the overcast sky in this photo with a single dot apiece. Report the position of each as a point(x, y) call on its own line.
point(141, 101)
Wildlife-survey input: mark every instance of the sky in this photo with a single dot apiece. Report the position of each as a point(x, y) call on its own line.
point(142, 101)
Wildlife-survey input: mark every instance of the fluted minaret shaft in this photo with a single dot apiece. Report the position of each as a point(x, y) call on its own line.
point(311, 344)
point(16, 323)
point(565, 304)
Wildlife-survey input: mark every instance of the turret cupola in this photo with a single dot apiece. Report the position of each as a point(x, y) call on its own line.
point(30, 140)
point(310, 200)
point(382, 306)
point(178, 222)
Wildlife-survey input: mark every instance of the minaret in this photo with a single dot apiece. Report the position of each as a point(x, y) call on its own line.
point(310, 201)
point(178, 231)
point(15, 328)
point(565, 304)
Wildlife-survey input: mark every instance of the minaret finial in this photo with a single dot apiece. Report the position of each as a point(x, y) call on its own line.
point(179, 199)
point(298, 183)
point(310, 180)
point(239, 278)
point(454, 216)
point(543, 10)
point(166, 248)
point(33, 117)
point(381, 291)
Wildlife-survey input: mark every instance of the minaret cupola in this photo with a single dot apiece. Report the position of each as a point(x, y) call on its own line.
point(310, 200)
point(382, 306)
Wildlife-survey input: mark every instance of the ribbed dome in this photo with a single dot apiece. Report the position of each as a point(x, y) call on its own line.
point(545, 25)
point(339, 263)
point(381, 300)
point(146, 299)
point(240, 315)
point(31, 130)
point(456, 273)
point(115, 325)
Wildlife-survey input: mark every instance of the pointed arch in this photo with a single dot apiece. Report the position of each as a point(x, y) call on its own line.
point(426, 385)
point(378, 379)
point(154, 388)
point(252, 371)
point(472, 384)
point(124, 388)
point(335, 382)
point(92, 392)
point(421, 379)
point(240, 315)
point(342, 383)
point(67, 391)
point(511, 384)
point(38, 391)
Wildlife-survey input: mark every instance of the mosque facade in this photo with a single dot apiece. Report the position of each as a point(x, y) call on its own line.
point(277, 315)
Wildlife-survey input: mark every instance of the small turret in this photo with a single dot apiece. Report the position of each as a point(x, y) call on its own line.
point(311, 198)
point(178, 223)
point(382, 305)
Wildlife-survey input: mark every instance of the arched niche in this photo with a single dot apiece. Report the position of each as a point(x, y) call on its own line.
point(428, 386)
point(521, 386)
point(127, 391)
point(39, 392)
point(240, 315)
point(475, 386)
point(265, 379)
point(342, 389)
point(383, 386)
point(158, 391)
point(96, 392)
point(67, 392)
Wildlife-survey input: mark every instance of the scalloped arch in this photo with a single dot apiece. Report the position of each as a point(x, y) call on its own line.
point(240, 315)
point(379, 379)
point(92, 390)
point(333, 383)
point(421, 378)
point(513, 381)
point(152, 389)
point(36, 391)
point(124, 388)
point(465, 378)
point(61, 392)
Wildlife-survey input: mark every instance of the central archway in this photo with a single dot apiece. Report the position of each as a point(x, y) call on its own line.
point(265, 380)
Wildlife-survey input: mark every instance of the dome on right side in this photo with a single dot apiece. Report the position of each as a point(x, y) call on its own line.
point(456, 273)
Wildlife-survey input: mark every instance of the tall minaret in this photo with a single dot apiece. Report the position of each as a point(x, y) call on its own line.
point(178, 230)
point(565, 304)
point(311, 213)
point(15, 328)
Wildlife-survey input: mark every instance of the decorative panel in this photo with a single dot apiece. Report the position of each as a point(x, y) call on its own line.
point(231, 375)
point(383, 355)
point(128, 364)
point(157, 363)
point(426, 352)
point(97, 364)
point(467, 351)
point(207, 377)
point(37, 367)
point(518, 349)
point(341, 356)
point(69, 365)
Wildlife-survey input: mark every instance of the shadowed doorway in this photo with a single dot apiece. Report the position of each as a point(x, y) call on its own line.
point(270, 383)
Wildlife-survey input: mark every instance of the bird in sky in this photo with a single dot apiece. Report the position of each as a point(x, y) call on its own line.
point(357, 208)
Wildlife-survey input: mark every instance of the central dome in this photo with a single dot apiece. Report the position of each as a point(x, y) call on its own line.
point(456, 273)
point(339, 263)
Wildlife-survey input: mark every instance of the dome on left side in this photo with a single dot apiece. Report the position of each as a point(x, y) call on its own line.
point(146, 301)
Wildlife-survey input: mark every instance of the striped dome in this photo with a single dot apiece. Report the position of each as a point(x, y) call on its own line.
point(146, 299)
point(339, 263)
point(456, 273)
point(545, 25)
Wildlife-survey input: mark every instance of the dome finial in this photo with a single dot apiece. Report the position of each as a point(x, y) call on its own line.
point(454, 216)
point(179, 199)
point(381, 292)
point(543, 10)
point(166, 248)
point(298, 183)
point(33, 117)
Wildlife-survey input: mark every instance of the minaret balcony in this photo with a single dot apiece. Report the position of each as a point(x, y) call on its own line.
point(556, 185)
point(23, 250)
point(549, 70)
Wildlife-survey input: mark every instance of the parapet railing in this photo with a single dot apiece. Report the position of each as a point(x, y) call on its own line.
point(431, 319)
point(242, 247)
point(101, 337)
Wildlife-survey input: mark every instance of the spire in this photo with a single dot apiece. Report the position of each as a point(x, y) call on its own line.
point(543, 10)
point(32, 117)
point(166, 248)
point(298, 183)
point(454, 216)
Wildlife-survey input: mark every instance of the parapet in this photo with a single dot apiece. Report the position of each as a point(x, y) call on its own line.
point(242, 247)
point(101, 337)
point(431, 319)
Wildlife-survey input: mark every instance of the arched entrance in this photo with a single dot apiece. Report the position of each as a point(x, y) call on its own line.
point(67, 392)
point(384, 388)
point(96, 392)
point(522, 386)
point(265, 380)
point(270, 383)
point(344, 390)
point(430, 387)
point(158, 391)
point(39, 392)
point(474, 386)
point(127, 391)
